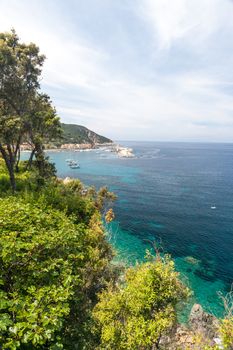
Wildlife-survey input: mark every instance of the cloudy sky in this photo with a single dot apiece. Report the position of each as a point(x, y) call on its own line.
point(135, 69)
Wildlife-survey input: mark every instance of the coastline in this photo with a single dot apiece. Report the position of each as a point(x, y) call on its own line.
point(122, 152)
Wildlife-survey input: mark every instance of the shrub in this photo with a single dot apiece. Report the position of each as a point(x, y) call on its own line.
point(135, 315)
point(226, 331)
point(4, 183)
point(50, 271)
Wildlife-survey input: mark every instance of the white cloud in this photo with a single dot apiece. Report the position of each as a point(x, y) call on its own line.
point(69, 59)
point(183, 109)
point(190, 20)
point(89, 89)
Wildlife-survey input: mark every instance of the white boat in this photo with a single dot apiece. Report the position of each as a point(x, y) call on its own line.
point(213, 207)
point(74, 166)
point(71, 162)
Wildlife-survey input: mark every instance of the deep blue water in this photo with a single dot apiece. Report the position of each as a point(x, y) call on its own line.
point(165, 194)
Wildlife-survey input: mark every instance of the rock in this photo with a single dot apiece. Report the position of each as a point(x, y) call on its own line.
point(191, 260)
point(124, 152)
point(202, 322)
point(218, 342)
point(180, 337)
point(67, 180)
point(200, 331)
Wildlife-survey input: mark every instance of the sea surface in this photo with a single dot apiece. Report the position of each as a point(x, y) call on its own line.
point(179, 195)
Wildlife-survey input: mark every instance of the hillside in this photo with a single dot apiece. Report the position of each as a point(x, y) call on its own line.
point(73, 133)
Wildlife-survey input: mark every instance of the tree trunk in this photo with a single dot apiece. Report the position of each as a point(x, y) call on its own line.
point(29, 164)
point(9, 161)
point(17, 154)
point(17, 162)
point(39, 153)
point(12, 176)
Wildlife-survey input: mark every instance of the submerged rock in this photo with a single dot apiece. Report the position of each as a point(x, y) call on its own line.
point(192, 260)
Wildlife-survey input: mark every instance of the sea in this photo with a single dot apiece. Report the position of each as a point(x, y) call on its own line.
point(178, 195)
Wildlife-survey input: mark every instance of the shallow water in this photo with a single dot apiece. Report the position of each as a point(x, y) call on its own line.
point(166, 194)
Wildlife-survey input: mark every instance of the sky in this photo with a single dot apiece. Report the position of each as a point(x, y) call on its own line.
point(159, 70)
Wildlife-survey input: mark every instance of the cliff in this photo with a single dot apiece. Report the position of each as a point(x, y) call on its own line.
point(78, 134)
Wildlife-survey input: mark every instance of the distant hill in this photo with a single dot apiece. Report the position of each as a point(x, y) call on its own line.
point(73, 133)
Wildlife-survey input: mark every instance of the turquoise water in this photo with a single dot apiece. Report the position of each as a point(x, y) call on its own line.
point(165, 194)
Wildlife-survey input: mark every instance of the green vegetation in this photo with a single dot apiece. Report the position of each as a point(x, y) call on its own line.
point(226, 331)
point(26, 114)
point(53, 262)
point(59, 288)
point(136, 314)
point(226, 326)
point(79, 134)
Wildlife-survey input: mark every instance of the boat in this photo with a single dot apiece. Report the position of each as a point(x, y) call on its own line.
point(71, 162)
point(213, 207)
point(74, 166)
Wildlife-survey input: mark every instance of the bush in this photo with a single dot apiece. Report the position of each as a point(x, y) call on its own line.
point(4, 183)
point(50, 271)
point(226, 331)
point(25, 180)
point(135, 315)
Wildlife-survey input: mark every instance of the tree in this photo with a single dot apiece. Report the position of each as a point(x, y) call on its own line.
point(20, 69)
point(10, 132)
point(42, 126)
point(135, 315)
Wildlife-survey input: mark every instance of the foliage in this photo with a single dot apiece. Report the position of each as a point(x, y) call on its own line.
point(51, 268)
point(135, 315)
point(109, 217)
point(72, 198)
point(25, 113)
point(29, 181)
point(226, 327)
point(43, 125)
point(20, 68)
point(226, 331)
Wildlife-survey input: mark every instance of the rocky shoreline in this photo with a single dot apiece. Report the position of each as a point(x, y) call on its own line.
point(122, 152)
point(201, 331)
